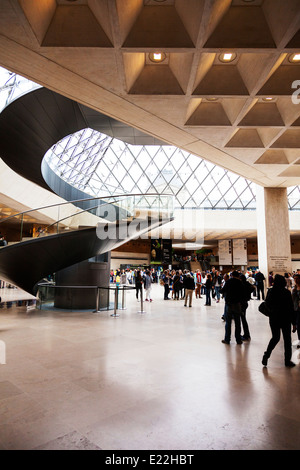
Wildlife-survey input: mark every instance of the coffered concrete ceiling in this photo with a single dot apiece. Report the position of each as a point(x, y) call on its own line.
point(243, 115)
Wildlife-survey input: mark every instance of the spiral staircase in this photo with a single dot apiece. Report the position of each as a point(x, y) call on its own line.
point(86, 226)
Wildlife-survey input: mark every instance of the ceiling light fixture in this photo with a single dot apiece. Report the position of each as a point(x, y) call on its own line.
point(294, 57)
point(227, 57)
point(157, 57)
point(268, 98)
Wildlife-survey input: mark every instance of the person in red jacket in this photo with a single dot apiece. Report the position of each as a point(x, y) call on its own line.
point(198, 284)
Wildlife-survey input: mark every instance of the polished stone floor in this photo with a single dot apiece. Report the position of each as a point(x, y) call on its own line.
point(159, 380)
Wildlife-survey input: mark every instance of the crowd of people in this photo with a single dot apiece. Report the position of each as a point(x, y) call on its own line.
point(236, 289)
point(205, 284)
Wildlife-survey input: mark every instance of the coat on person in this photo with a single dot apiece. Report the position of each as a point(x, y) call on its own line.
point(189, 283)
point(282, 318)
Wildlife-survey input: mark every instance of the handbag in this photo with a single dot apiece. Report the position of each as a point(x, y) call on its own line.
point(264, 309)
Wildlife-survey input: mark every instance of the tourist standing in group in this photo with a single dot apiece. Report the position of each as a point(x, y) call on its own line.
point(203, 283)
point(234, 294)
point(166, 284)
point(259, 281)
point(289, 281)
point(181, 288)
point(176, 285)
point(225, 278)
point(189, 285)
point(208, 288)
point(123, 277)
point(244, 305)
point(171, 275)
point(251, 281)
point(271, 278)
point(138, 284)
point(296, 301)
point(281, 319)
point(148, 286)
point(129, 276)
point(217, 285)
point(213, 274)
point(198, 284)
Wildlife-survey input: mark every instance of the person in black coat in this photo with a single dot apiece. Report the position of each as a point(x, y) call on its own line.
point(259, 281)
point(234, 294)
point(249, 290)
point(208, 289)
point(189, 285)
point(281, 318)
point(176, 285)
point(166, 284)
point(138, 284)
point(296, 300)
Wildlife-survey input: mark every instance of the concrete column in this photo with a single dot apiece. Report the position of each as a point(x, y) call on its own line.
point(273, 231)
point(86, 273)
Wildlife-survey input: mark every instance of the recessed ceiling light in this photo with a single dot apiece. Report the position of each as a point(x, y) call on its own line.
point(294, 57)
point(157, 57)
point(212, 98)
point(227, 57)
point(268, 98)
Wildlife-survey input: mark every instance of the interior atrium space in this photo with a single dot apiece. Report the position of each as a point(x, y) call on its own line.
point(149, 215)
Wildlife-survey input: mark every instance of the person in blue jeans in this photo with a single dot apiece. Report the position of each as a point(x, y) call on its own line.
point(217, 286)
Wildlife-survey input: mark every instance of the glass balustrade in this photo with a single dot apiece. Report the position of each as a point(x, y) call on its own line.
point(105, 213)
point(106, 298)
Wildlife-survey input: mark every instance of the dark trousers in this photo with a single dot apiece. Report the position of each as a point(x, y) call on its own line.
point(244, 321)
point(166, 291)
point(176, 293)
point(287, 340)
point(233, 312)
point(138, 289)
point(208, 297)
point(260, 289)
point(298, 324)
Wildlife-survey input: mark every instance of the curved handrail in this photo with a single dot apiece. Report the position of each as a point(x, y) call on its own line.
point(78, 213)
point(163, 205)
point(84, 200)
